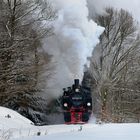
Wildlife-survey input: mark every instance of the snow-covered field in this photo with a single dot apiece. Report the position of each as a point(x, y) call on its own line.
point(15, 127)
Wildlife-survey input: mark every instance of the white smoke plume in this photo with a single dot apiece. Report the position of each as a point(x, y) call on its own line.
point(74, 39)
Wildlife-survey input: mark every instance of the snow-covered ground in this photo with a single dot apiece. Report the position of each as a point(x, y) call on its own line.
point(15, 127)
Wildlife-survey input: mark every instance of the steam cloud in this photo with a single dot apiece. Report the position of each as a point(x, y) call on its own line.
point(74, 39)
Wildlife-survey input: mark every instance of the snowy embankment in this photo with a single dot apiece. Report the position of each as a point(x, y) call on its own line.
point(15, 127)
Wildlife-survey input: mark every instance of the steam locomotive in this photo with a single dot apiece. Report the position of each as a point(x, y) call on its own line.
point(76, 104)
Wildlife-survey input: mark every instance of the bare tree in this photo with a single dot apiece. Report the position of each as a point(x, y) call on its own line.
point(112, 60)
point(23, 24)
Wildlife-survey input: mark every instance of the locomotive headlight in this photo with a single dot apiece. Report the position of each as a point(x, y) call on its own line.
point(76, 90)
point(65, 104)
point(88, 104)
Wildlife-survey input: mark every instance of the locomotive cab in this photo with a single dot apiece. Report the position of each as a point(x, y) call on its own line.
point(76, 103)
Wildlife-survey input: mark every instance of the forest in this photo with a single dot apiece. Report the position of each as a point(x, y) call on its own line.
point(26, 67)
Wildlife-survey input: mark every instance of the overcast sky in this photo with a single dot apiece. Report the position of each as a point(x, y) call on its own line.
point(132, 5)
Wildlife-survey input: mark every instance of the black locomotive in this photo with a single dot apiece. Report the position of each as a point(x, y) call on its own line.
point(76, 103)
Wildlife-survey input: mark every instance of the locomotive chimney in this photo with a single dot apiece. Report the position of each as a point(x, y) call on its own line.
point(76, 82)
